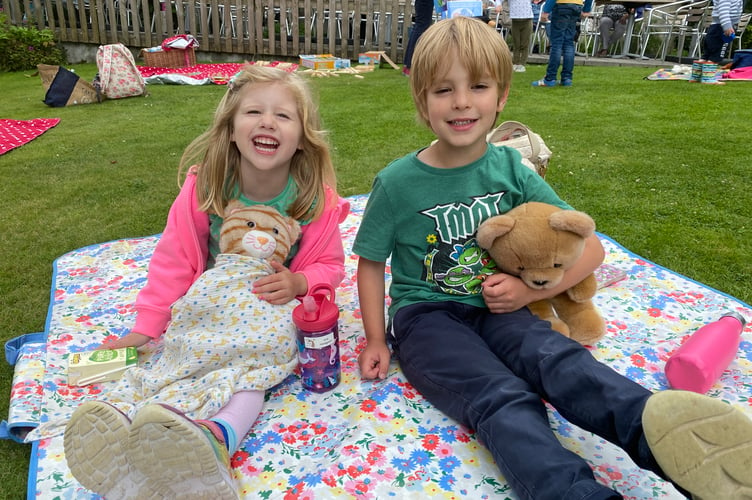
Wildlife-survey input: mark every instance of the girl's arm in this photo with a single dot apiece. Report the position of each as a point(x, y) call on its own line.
point(178, 260)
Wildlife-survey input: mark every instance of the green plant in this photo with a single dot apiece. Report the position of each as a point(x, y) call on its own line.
point(23, 47)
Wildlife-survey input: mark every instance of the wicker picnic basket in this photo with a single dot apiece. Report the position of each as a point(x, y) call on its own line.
point(173, 58)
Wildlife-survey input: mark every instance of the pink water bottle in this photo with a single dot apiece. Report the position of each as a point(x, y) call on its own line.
point(316, 319)
point(700, 361)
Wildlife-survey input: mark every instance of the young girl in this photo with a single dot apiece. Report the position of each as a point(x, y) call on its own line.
point(265, 146)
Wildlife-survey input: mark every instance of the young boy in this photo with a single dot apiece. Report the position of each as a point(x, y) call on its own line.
point(470, 345)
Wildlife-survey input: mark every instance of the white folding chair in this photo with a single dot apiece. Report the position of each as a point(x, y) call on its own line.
point(660, 21)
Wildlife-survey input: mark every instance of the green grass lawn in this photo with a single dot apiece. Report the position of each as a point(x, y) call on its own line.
point(662, 166)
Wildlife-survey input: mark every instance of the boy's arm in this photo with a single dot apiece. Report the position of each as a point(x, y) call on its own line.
point(505, 293)
point(374, 360)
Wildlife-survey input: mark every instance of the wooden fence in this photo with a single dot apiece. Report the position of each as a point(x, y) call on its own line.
point(263, 28)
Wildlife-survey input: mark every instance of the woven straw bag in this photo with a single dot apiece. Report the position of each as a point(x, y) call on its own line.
point(535, 153)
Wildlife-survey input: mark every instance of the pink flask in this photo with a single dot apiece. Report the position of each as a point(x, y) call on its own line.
point(700, 361)
point(316, 319)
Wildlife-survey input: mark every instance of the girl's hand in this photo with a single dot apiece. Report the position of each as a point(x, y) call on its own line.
point(132, 339)
point(280, 287)
point(374, 360)
point(505, 293)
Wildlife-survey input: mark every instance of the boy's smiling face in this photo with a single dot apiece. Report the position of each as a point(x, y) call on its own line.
point(461, 111)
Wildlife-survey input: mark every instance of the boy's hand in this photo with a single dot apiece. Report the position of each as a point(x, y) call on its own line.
point(280, 287)
point(505, 293)
point(374, 360)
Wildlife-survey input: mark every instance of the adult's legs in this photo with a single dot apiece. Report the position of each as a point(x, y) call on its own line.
point(516, 40)
point(423, 18)
point(619, 30)
point(443, 356)
point(524, 29)
point(569, 14)
point(557, 41)
point(605, 30)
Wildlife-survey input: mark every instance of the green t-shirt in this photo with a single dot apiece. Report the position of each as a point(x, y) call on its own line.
point(426, 219)
point(281, 202)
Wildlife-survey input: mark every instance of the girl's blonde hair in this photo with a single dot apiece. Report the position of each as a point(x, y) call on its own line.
point(219, 158)
point(475, 44)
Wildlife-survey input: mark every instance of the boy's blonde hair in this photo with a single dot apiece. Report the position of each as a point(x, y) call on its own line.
point(475, 44)
point(219, 158)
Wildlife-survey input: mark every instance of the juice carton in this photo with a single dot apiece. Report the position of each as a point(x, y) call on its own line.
point(102, 365)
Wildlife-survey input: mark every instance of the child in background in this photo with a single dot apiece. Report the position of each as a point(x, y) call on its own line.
point(521, 14)
point(465, 339)
point(726, 15)
point(265, 146)
point(564, 17)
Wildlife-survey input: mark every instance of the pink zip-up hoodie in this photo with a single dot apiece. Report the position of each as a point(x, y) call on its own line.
point(183, 249)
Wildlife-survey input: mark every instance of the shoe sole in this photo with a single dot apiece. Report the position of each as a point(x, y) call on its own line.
point(177, 457)
point(94, 442)
point(704, 445)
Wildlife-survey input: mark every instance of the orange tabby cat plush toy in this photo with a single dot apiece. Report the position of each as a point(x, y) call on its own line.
point(222, 337)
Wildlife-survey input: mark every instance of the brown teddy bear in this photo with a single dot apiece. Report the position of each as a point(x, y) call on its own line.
point(538, 242)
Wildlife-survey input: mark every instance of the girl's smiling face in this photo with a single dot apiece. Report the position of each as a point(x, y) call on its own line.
point(462, 110)
point(267, 128)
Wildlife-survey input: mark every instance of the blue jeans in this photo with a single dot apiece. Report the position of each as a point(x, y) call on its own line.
point(564, 19)
point(423, 19)
point(491, 372)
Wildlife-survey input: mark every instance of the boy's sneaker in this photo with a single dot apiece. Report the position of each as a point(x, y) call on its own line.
point(702, 444)
point(95, 443)
point(544, 83)
point(566, 83)
point(184, 459)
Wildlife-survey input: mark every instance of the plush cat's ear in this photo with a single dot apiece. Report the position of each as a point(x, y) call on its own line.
point(232, 206)
point(294, 229)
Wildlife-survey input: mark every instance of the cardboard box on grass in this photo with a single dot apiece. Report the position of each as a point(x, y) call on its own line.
point(101, 365)
point(371, 58)
point(323, 61)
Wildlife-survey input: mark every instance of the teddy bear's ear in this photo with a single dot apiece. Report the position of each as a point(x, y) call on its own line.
point(492, 228)
point(575, 222)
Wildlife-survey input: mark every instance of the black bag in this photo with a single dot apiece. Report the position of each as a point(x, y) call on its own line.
point(65, 88)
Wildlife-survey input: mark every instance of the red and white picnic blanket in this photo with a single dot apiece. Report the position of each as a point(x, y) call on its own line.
point(15, 133)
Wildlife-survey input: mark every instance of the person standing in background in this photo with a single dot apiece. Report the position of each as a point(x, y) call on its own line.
point(564, 16)
point(423, 19)
point(521, 14)
point(726, 14)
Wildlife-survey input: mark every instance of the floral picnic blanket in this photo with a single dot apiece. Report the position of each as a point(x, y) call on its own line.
point(371, 439)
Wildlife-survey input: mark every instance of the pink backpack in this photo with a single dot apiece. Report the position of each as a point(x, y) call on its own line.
point(118, 75)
